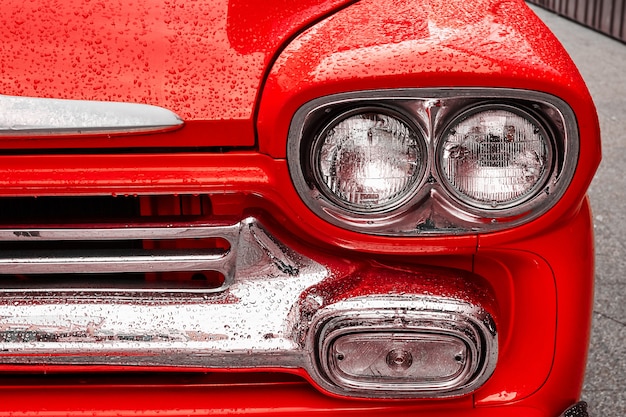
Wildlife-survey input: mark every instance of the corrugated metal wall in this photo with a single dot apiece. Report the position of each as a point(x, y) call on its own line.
point(607, 16)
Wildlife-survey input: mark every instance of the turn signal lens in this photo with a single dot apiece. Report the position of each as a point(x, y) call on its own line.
point(401, 359)
point(368, 160)
point(495, 157)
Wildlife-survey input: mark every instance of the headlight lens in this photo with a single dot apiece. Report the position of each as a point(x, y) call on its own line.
point(368, 160)
point(495, 157)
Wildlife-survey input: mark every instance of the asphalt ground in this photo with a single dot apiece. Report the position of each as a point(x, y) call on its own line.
point(602, 63)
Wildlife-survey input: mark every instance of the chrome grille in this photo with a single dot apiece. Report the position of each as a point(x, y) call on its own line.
point(263, 316)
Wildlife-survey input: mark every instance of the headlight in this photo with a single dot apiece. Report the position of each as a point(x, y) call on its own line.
point(367, 160)
point(432, 161)
point(495, 156)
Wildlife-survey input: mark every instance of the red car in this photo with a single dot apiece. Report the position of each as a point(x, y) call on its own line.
point(313, 207)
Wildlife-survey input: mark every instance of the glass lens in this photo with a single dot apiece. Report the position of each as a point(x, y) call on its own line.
point(495, 157)
point(368, 160)
point(397, 358)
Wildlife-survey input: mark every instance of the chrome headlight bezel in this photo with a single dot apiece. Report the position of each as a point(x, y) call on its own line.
point(433, 207)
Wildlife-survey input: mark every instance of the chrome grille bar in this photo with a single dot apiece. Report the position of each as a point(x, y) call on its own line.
point(114, 261)
point(130, 232)
point(109, 261)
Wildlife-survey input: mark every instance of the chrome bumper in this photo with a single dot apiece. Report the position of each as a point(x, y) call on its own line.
point(276, 309)
point(577, 410)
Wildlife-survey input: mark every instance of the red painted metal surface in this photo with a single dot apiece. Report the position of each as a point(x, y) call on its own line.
point(450, 44)
point(213, 62)
point(203, 60)
point(482, 44)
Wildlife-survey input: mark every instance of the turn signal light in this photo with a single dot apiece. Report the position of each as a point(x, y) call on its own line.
point(404, 359)
point(403, 347)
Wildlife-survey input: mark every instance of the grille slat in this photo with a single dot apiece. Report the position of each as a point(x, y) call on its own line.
point(186, 253)
point(109, 261)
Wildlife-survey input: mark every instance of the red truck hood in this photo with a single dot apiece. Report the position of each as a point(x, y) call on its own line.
point(204, 60)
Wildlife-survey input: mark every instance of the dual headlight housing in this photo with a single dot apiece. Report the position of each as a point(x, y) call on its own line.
point(405, 162)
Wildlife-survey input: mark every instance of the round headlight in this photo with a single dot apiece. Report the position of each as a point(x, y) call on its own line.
point(368, 160)
point(495, 157)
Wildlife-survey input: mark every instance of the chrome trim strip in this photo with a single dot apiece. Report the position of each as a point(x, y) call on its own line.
point(108, 261)
point(31, 116)
point(128, 232)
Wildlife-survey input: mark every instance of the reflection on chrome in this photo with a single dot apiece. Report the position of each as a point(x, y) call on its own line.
point(45, 116)
point(264, 316)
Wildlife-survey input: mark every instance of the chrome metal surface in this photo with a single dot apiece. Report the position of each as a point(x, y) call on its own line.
point(263, 317)
point(109, 261)
point(98, 261)
point(465, 336)
point(228, 232)
point(243, 325)
point(44, 116)
point(433, 209)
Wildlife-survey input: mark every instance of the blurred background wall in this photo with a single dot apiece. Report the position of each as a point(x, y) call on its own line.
point(606, 16)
